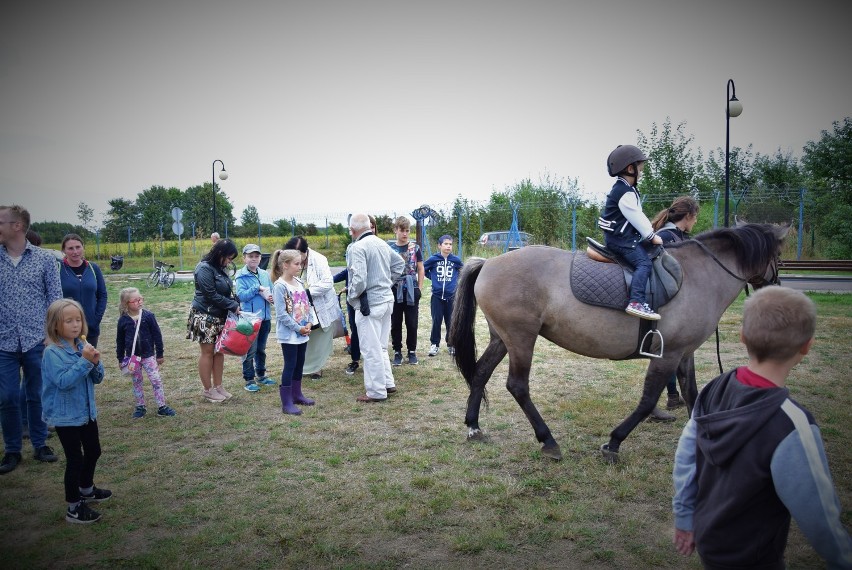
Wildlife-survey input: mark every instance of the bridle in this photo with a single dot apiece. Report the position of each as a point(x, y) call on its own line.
point(758, 281)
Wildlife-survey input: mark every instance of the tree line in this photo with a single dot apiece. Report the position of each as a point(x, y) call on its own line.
point(552, 208)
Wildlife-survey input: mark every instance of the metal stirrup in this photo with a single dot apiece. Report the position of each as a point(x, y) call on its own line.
point(649, 338)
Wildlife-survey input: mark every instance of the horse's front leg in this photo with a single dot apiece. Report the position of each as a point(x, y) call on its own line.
point(658, 374)
point(686, 379)
point(518, 384)
point(493, 354)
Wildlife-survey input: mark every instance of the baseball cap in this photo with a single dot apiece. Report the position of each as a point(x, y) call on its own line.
point(251, 248)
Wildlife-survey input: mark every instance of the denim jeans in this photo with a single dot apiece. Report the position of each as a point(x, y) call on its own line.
point(637, 258)
point(255, 359)
point(441, 311)
point(11, 365)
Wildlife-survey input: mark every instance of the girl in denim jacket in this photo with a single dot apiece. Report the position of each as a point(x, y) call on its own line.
point(70, 369)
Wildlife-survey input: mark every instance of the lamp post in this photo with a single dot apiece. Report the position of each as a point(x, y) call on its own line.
point(223, 175)
point(733, 108)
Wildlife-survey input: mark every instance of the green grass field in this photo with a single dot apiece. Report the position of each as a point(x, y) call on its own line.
point(391, 485)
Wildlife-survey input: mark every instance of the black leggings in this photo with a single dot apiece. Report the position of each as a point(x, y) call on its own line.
point(82, 448)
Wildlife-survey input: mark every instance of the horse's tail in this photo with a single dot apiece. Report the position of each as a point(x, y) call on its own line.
point(461, 335)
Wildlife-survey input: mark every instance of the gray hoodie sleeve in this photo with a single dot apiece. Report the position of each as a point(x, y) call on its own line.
point(683, 475)
point(803, 483)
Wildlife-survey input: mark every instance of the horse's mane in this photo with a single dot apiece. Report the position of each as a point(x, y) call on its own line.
point(754, 245)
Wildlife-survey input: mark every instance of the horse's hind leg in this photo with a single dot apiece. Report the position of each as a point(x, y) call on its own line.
point(493, 354)
point(518, 384)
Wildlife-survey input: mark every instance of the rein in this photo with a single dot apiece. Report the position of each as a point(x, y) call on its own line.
point(712, 255)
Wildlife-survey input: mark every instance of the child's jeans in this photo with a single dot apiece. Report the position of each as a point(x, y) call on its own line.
point(254, 362)
point(637, 258)
point(442, 309)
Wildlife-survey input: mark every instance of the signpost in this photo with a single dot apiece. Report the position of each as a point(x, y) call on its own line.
point(177, 227)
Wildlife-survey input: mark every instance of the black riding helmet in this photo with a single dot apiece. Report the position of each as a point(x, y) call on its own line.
point(623, 156)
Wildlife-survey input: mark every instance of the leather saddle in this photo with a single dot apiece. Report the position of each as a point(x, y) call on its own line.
point(600, 278)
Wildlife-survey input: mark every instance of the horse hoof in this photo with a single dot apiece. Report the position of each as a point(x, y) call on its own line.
point(476, 435)
point(552, 451)
point(609, 455)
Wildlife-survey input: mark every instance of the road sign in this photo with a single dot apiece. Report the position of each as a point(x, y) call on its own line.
point(177, 227)
point(177, 215)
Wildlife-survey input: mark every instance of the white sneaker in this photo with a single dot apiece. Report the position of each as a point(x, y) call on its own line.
point(433, 350)
point(212, 395)
point(224, 393)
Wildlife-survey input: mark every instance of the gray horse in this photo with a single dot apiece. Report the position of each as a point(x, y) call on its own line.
point(527, 293)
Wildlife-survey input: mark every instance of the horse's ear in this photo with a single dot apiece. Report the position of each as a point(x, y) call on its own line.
point(740, 222)
point(782, 230)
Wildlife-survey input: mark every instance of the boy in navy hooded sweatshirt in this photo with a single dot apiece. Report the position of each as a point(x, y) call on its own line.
point(442, 268)
point(751, 457)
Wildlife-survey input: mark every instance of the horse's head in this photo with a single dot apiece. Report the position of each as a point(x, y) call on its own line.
point(776, 235)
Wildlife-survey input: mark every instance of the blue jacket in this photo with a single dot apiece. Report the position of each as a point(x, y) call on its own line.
point(248, 291)
point(68, 385)
point(149, 341)
point(443, 273)
point(89, 290)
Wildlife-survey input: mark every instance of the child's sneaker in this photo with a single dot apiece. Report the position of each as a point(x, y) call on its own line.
point(165, 411)
point(224, 393)
point(412, 358)
point(139, 412)
point(82, 514)
point(433, 350)
point(212, 395)
point(251, 387)
point(397, 359)
point(451, 351)
point(641, 310)
point(97, 495)
point(267, 381)
point(350, 370)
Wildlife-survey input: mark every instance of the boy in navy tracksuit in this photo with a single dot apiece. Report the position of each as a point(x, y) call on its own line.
point(750, 456)
point(627, 230)
point(442, 269)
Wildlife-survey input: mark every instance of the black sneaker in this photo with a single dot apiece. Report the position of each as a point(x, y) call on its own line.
point(10, 461)
point(82, 514)
point(139, 412)
point(350, 370)
point(45, 454)
point(97, 495)
point(412, 358)
point(165, 411)
point(397, 359)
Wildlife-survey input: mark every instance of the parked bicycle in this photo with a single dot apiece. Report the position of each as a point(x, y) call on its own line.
point(162, 275)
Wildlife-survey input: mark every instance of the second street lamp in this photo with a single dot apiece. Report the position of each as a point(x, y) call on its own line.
point(733, 108)
point(223, 175)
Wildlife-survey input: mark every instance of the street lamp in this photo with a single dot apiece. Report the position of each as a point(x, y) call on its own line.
point(733, 108)
point(223, 175)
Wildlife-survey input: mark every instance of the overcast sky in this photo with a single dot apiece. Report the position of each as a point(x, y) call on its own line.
point(329, 107)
